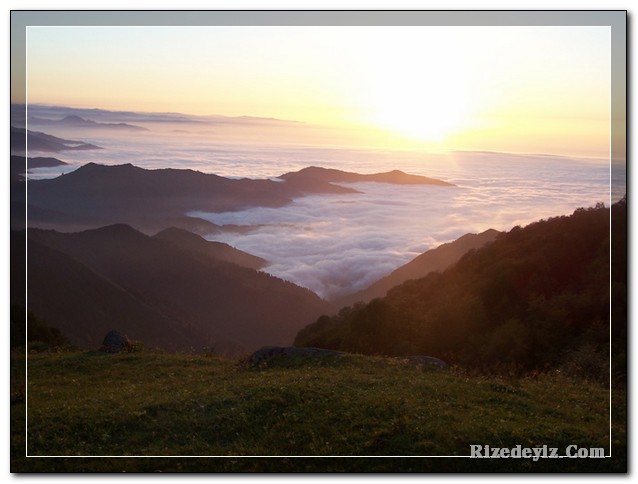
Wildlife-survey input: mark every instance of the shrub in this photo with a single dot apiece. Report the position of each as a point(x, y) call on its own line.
point(135, 346)
point(588, 363)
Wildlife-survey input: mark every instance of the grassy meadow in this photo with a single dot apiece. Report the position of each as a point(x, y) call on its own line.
point(155, 404)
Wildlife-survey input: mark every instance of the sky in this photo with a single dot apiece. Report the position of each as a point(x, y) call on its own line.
point(542, 89)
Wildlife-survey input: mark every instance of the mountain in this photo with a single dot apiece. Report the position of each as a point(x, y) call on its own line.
point(48, 113)
point(83, 304)
point(314, 174)
point(121, 193)
point(190, 242)
point(152, 200)
point(434, 260)
point(536, 298)
point(20, 165)
point(115, 277)
point(37, 141)
point(75, 121)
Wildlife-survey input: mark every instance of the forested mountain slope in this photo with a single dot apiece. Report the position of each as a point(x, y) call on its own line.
point(536, 298)
point(115, 277)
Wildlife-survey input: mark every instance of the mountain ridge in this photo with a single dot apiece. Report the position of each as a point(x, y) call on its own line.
point(190, 241)
point(434, 260)
point(529, 301)
point(206, 300)
point(75, 121)
point(151, 200)
point(21, 165)
point(38, 141)
point(332, 175)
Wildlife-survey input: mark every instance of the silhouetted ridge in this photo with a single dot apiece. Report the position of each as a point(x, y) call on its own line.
point(115, 230)
point(171, 295)
point(93, 168)
point(151, 200)
point(20, 165)
point(214, 250)
point(173, 234)
point(331, 175)
point(437, 259)
point(75, 121)
point(38, 141)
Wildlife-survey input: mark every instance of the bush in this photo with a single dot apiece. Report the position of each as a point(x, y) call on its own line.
point(587, 363)
point(38, 334)
point(135, 346)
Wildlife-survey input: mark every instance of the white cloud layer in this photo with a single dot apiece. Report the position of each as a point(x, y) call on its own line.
point(337, 244)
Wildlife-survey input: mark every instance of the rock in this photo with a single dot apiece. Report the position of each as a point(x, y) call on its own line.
point(426, 362)
point(266, 353)
point(114, 342)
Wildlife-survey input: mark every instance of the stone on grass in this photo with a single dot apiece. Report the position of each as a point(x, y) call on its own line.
point(114, 342)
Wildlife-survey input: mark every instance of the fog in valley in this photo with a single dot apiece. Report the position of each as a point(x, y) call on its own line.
point(333, 244)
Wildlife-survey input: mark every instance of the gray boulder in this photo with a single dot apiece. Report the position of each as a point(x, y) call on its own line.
point(114, 342)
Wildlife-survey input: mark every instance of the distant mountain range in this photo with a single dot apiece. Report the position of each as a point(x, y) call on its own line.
point(21, 165)
point(46, 114)
point(172, 291)
point(314, 174)
point(150, 200)
point(38, 141)
point(75, 121)
point(529, 298)
point(526, 300)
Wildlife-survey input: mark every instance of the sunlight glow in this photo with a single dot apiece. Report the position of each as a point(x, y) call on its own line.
point(425, 108)
point(422, 94)
point(454, 88)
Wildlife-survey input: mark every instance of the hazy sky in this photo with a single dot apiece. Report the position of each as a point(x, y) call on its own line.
point(519, 89)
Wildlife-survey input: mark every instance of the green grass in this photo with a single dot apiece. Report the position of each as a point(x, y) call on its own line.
point(146, 404)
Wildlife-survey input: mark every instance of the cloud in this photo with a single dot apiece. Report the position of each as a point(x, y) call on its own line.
point(338, 244)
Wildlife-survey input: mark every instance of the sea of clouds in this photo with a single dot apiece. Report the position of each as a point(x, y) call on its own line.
point(339, 244)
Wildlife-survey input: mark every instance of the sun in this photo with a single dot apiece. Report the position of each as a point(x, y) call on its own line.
point(423, 108)
point(422, 116)
point(423, 97)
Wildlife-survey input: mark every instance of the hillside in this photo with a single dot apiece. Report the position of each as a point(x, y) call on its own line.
point(190, 242)
point(433, 260)
point(38, 141)
point(534, 299)
point(84, 305)
point(37, 334)
point(75, 121)
point(330, 175)
point(89, 282)
point(149, 404)
point(21, 165)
